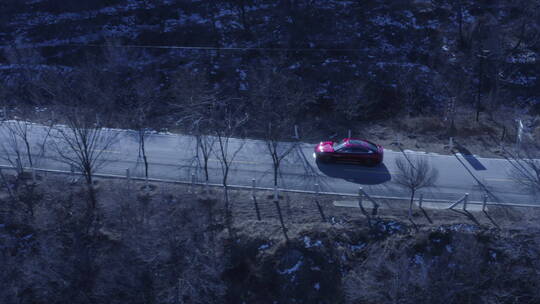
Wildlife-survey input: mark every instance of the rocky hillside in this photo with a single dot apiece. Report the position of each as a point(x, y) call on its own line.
point(360, 59)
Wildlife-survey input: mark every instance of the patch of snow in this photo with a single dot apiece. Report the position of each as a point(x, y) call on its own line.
point(264, 246)
point(523, 80)
point(418, 259)
point(360, 246)
point(529, 57)
point(449, 248)
point(309, 244)
point(294, 66)
point(292, 269)
point(464, 228)
point(386, 20)
point(242, 74)
point(329, 60)
point(317, 286)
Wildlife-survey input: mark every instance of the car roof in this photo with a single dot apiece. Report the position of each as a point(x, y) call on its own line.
point(354, 142)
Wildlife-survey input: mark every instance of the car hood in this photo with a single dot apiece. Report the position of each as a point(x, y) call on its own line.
point(325, 146)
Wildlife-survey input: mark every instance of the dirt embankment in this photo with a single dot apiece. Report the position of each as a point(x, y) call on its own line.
point(169, 244)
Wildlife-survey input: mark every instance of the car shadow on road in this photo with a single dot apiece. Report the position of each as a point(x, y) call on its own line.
point(356, 173)
point(473, 161)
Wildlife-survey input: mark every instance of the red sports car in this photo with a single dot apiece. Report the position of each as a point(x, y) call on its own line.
point(350, 149)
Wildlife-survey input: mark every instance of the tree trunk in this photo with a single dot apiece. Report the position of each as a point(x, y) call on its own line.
point(276, 170)
point(411, 203)
point(479, 92)
point(143, 151)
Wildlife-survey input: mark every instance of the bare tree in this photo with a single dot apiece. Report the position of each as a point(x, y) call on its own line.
point(276, 146)
point(414, 173)
point(83, 143)
point(277, 98)
point(525, 170)
point(145, 94)
point(23, 142)
point(195, 100)
point(228, 123)
point(205, 148)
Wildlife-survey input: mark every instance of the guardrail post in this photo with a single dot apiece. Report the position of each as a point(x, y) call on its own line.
point(465, 199)
point(349, 134)
point(451, 143)
point(484, 203)
point(296, 134)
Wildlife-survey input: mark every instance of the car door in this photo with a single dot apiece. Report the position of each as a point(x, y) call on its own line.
point(360, 153)
point(343, 154)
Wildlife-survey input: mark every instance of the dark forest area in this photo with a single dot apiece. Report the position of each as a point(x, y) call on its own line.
point(348, 61)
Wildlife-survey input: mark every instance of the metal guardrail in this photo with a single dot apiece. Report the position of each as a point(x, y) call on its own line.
point(252, 187)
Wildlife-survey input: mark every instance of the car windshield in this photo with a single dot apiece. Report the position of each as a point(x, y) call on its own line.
point(339, 145)
point(363, 143)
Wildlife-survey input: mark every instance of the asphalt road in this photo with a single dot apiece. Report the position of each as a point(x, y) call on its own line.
point(173, 157)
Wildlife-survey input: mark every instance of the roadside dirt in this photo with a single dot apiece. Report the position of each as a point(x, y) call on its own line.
point(432, 133)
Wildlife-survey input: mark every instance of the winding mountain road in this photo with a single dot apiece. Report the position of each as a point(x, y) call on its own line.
point(172, 157)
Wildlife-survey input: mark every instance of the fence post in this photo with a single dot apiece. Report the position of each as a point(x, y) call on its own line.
point(34, 177)
point(465, 199)
point(72, 173)
point(296, 135)
point(451, 143)
point(360, 194)
point(19, 166)
point(349, 134)
point(484, 203)
point(255, 199)
point(321, 211)
point(421, 200)
point(410, 208)
point(278, 207)
point(128, 178)
point(193, 182)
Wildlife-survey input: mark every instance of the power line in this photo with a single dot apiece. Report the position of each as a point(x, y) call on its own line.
point(206, 48)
